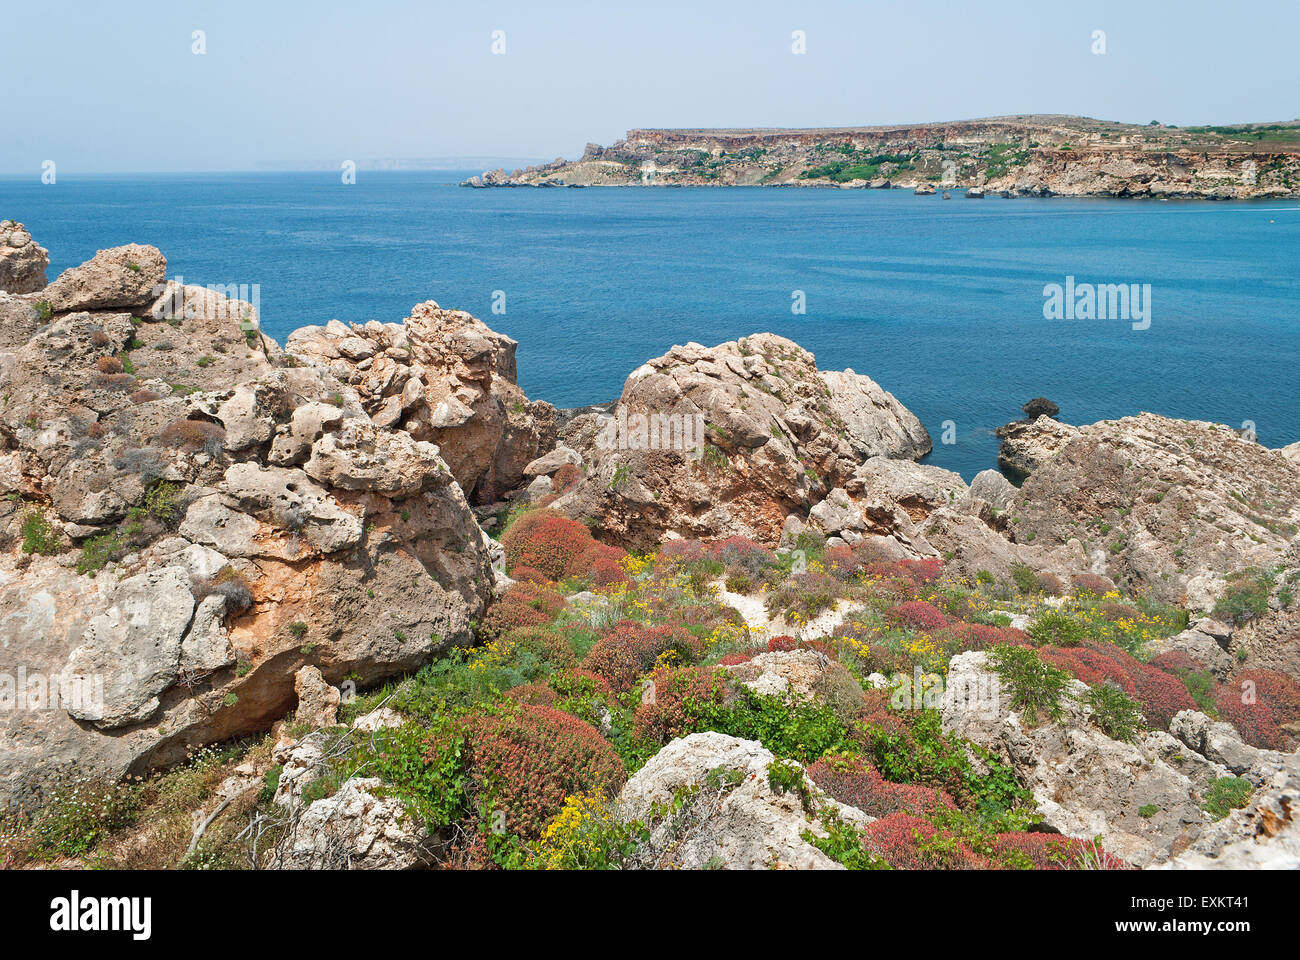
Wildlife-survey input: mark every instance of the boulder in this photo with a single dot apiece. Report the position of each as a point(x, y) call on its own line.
point(132, 650)
point(708, 442)
point(318, 702)
point(548, 463)
point(1028, 444)
point(736, 820)
point(356, 829)
point(1172, 506)
point(993, 488)
point(22, 260)
point(121, 277)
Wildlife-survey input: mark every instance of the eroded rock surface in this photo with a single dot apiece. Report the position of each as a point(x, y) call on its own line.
point(444, 377)
point(709, 442)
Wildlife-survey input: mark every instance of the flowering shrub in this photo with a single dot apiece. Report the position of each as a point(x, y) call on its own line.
point(978, 636)
point(1092, 583)
point(853, 781)
point(543, 545)
point(1050, 584)
point(1276, 702)
point(782, 642)
point(1175, 661)
point(1052, 627)
point(525, 762)
point(919, 615)
point(802, 596)
point(734, 660)
point(910, 843)
point(631, 649)
point(1115, 612)
point(566, 477)
point(550, 543)
point(587, 834)
point(536, 694)
point(674, 699)
point(681, 551)
point(604, 564)
point(192, 435)
point(529, 574)
point(1160, 694)
point(841, 562)
point(742, 553)
point(522, 605)
point(544, 642)
point(1051, 851)
point(921, 572)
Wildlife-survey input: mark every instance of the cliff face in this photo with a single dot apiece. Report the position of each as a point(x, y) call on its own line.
point(1016, 156)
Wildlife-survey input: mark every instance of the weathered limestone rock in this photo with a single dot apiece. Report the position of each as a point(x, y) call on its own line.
point(22, 260)
point(1084, 783)
point(993, 488)
point(120, 277)
point(357, 830)
point(1028, 444)
point(446, 378)
point(362, 456)
point(738, 823)
point(133, 648)
point(184, 442)
point(318, 702)
point(1173, 506)
point(710, 442)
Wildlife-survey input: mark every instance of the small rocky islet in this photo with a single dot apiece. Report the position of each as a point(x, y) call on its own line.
point(357, 601)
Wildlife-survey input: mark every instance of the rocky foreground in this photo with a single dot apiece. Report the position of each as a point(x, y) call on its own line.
point(357, 601)
point(1010, 156)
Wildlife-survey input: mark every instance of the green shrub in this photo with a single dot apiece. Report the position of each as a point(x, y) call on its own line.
point(1225, 795)
point(98, 552)
point(1025, 578)
point(38, 535)
point(79, 815)
point(1115, 712)
point(1056, 629)
point(1036, 688)
point(1244, 598)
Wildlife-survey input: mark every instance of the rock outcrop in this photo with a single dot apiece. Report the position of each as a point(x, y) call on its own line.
point(442, 376)
point(357, 829)
point(1028, 444)
point(708, 442)
point(192, 518)
point(1144, 799)
point(22, 260)
point(1173, 506)
point(735, 818)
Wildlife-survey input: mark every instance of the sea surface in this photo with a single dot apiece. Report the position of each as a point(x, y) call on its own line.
point(941, 302)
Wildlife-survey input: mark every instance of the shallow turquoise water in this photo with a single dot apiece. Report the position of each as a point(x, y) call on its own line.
point(941, 302)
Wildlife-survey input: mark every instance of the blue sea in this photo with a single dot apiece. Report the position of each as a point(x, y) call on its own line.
point(940, 302)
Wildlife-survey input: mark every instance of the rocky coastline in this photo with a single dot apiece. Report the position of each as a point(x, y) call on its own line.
point(1024, 156)
point(358, 601)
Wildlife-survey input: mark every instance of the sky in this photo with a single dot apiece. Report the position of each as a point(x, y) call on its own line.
point(118, 87)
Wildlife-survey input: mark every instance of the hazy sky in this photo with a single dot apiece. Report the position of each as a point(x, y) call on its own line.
point(116, 87)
